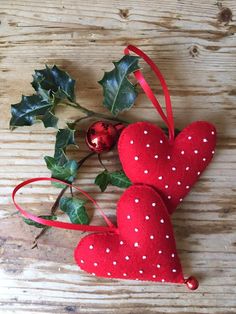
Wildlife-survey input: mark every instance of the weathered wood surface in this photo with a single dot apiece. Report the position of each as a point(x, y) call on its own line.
point(195, 47)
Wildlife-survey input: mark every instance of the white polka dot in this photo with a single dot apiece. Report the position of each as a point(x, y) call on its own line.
point(136, 200)
point(161, 141)
point(156, 156)
point(169, 197)
point(146, 171)
point(108, 250)
point(204, 159)
point(93, 274)
point(136, 158)
point(182, 152)
point(95, 264)
point(153, 276)
point(148, 145)
point(91, 247)
point(173, 168)
point(144, 257)
point(160, 178)
point(166, 186)
point(158, 266)
point(212, 132)
point(189, 137)
point(136, 244)
point(172, 255)
point(179, 183)
point(136, 229)
point(145, 132)
point(195, 151)
point(168, 157)
point(198, 173)
point(114, 263)
point(213, 152)
point(128, 217)
point(187, 168)
point(121, 242)
point(205, 140)
point(174, 270)
point(82, 261)
point(124, 274)
point(187, 187)
point(153, 204)
point(151, 237)
point(127, 258)
point(162, 221)
point(162, 280)
point(160, 252)
point(109, 274)
point(167, 236)
point(180, 199)
point(131, 142)
point(147, 217)
point(141, 271)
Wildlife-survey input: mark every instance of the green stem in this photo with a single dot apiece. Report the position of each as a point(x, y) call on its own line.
point(90, 113)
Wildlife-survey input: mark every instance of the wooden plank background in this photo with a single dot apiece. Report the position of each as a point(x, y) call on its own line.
point(194, 44)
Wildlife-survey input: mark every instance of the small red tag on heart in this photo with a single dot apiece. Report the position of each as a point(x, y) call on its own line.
point(143, 247)
point(148, 157)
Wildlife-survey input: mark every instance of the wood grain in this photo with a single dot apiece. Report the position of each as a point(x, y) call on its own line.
point(194, 44)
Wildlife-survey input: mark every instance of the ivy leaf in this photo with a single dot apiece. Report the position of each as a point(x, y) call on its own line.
point(115, 178)
point(64, 138)
point(118, 178)
point(75, 209)
point(36, 224)
point(102, 180)
point(56, 82)
point(119, 93)
point(28, 111)
point(66, 172)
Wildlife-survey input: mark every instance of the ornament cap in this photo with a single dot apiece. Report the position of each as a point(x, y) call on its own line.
point(191, 283)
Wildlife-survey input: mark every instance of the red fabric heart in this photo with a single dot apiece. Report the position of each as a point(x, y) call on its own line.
point(143, 247)
point(148, 157)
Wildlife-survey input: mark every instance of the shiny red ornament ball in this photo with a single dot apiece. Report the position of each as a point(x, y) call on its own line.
point(101, 136)
point(192, 283)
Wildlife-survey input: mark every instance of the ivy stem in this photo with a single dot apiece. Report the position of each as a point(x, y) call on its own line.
point(101, 162)
point(90, 113)
point(55, 206)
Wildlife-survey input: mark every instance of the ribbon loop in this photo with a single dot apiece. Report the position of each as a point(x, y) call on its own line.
point(168, 119)
point(60, 224)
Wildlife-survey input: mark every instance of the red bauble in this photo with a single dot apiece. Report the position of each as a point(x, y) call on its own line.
point(101, 136)
point(192, 283)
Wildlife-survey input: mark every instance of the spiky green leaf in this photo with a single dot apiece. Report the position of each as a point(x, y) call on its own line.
point(119, 93)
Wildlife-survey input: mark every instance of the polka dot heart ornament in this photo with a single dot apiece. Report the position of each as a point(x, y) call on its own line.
point(171, 165)
point(141, 247)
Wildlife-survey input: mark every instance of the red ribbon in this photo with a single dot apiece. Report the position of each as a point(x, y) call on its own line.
point(169, 121)
point(59, 224)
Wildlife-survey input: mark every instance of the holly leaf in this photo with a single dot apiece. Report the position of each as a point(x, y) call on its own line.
point(64, 138)
point(119, 93)
point(75, 209)
point(36, 224)
point(66, 172)
point(28, 111)
point(49, 120)
point(54, 81)
point(102, 180)
point(115, 178)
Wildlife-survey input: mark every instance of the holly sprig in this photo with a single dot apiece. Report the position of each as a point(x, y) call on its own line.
point(54, 87)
